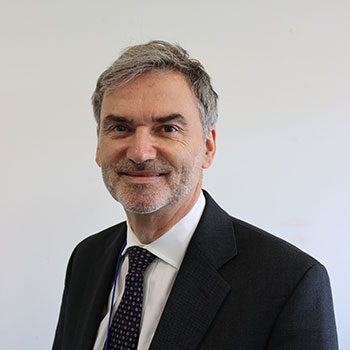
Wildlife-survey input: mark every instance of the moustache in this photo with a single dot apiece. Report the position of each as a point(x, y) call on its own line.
point(148, 165)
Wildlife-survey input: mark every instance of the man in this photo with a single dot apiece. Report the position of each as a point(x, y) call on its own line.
point(202, 280)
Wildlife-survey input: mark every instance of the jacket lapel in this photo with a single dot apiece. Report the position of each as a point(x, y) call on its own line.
point(199, 289)
point(96, 293)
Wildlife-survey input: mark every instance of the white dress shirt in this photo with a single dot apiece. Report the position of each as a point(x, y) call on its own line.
point(170, 249)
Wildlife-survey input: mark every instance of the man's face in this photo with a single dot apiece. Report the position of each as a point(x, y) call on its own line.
point(151, 147)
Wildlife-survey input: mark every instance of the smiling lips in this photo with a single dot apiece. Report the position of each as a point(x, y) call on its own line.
point(142, 173)
point(142, 176)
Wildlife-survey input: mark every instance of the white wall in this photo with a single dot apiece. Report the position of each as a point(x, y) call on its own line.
point(281, 69)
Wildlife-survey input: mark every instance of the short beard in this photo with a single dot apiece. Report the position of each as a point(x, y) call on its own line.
point(145, 206)
point(136, 199)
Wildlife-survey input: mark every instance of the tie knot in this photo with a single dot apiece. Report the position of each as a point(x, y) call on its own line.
point(139, 259)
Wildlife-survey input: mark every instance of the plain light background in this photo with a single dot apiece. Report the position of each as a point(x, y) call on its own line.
point(281, 69)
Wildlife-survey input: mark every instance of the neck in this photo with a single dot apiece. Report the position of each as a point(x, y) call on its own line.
point(149, 227)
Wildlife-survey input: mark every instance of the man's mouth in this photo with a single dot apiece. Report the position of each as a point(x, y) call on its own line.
point(143, 173)
point(142, 176)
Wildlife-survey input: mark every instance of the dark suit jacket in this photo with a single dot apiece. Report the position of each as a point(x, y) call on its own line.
point(238, 288)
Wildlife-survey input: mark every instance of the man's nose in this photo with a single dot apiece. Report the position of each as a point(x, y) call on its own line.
point(141, 146)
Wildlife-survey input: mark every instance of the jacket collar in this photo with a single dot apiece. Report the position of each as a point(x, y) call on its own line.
point(96, 289)
point(199, 289)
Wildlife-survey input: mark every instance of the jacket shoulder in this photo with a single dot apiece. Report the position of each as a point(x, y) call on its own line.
point(101, 240)
point(262, 243)
point(271, 262)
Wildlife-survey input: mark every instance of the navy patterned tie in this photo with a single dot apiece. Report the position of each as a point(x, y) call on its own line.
point(124, 332)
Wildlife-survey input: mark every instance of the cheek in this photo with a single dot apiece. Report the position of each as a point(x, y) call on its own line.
point(107, 151)
point(188, 157)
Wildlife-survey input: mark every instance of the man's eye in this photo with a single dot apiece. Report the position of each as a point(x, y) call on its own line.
point(169, 128)
point(119, 128)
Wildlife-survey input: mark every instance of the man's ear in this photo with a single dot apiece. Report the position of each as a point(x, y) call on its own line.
point(210, 148)
point(98, 156)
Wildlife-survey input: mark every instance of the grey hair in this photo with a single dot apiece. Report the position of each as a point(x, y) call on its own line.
point(159, 55)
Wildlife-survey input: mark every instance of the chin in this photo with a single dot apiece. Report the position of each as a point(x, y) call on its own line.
point(143, 203)
point(148, 199)
point(141, 210)
point(140, 207)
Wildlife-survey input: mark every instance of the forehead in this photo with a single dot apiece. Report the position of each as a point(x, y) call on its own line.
point(155, 92)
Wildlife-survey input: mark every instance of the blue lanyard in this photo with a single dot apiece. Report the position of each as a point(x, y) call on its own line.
point(114, 287)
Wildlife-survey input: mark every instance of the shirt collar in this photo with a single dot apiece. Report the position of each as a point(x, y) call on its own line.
point(172, 245)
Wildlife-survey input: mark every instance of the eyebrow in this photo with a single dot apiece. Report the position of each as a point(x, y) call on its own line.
point(112, 119)
point(174, 116)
